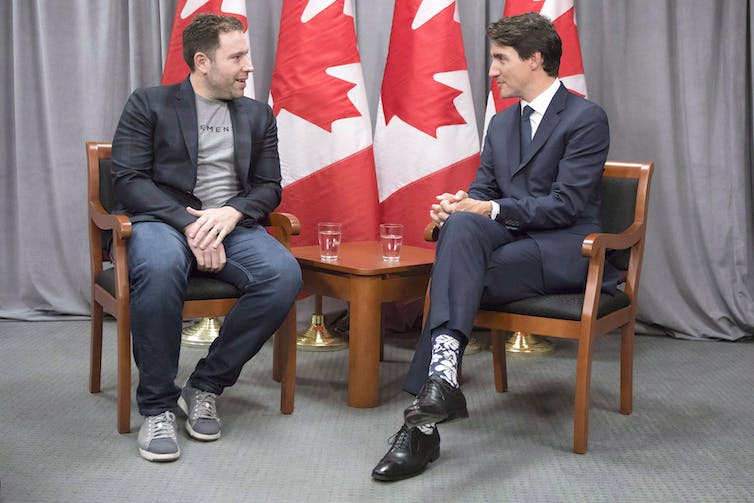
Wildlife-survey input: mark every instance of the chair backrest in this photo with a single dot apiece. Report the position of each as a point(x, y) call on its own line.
point(625, 191)
point(100, 185)
point(106, 192)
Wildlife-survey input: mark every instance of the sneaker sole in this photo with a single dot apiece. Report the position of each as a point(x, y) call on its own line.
point(201, 436)
point(152, 456)
point(192, 433)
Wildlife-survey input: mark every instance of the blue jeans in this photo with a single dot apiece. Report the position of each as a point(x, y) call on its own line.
point(159, 265)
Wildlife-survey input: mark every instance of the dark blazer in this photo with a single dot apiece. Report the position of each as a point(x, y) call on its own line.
point(155, 153)
point(551, 191)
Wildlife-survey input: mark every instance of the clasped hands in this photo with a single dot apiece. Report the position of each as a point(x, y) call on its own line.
point(205, 235)
point(460, 201)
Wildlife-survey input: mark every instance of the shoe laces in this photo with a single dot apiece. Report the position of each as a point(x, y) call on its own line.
point(162, 425)
point(400, 439)
point(204, 405)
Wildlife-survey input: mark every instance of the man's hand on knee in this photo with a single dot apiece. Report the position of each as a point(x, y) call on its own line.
point(460, 201)
point(210, 259)
point(211, 226)
point(474, 206)
point(445, 206)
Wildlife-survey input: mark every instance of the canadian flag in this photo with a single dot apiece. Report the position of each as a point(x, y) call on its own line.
point(176, 68)
point(324, 129)
point(426, 140)
point(571, 73)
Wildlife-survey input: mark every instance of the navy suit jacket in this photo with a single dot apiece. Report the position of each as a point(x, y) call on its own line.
point(155, 148)
point(551, 191)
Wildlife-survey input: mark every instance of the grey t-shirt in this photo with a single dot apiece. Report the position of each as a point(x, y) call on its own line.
point(216, 178)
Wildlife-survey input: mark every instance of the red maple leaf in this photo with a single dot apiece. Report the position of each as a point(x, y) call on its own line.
point(570, 62)
point(409, 90)
point(305, 51)
point(176, 68)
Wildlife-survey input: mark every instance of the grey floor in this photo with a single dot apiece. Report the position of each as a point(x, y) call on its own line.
point(690, 438)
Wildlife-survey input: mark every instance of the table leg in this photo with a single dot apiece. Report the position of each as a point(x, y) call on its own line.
point(364, 341)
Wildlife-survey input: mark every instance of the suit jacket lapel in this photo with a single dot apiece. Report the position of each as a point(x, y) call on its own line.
point(241, 141)
point(546, 126)
point(185, 106)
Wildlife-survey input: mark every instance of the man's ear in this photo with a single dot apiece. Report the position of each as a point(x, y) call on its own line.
point(201, 61)
point(535, 60)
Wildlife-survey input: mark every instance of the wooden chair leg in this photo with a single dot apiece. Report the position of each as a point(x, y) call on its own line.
point(497, 338)
point(287, 335)
point(95, 349)
point(581, 401)
point(627, 368)
point(124, 373)
point(278, 352)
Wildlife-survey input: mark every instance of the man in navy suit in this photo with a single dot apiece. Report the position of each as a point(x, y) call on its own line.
point(516, 233)
point(196, 167)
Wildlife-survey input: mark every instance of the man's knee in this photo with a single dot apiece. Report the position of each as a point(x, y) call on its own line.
point(464, 227)
point(285, 275)
point(290, 275)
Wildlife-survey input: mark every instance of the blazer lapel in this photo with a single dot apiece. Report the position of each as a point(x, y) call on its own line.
point(241, 141)
point(546, 126)
point(185, 106)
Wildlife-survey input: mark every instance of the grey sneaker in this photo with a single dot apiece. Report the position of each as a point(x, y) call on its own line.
point(199, 406)
point(157, 438)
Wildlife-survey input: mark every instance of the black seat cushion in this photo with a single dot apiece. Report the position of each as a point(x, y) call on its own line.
point(199, 287)
point(562, 306)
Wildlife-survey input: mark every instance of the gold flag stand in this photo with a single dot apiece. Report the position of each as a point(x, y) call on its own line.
point(528, 344)
point(201, 334)
point(317, 337)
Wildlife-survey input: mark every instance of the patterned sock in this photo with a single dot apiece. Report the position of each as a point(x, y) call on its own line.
point(445, 352)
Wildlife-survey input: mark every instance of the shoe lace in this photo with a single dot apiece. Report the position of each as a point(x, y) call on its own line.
point(204, 405)
point(162, 425)
point(400, 439)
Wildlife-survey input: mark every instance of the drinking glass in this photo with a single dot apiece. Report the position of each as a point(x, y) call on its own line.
point(391, 237)
point(330, 234)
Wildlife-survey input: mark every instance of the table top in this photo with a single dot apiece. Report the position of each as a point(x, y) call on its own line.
point(364, 258)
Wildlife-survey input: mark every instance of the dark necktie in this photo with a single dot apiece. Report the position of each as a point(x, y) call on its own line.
point(525, 129)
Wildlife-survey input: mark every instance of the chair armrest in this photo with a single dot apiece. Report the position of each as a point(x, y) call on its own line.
point(282, 226)
point(431, 232)
point(598, 242)
point(287, 222)
point(119, 224)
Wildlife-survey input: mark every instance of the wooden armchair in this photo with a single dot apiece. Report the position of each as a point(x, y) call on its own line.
point(206, 297)
point(588, 315)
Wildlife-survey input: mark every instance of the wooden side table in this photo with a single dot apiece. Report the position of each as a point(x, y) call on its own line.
point(362, 278)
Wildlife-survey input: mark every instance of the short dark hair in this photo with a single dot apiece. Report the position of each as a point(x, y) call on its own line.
point(203, 35)
point(529, 33)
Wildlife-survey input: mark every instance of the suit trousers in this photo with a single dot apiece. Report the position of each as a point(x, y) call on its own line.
point(478, 261)
point(159, 264)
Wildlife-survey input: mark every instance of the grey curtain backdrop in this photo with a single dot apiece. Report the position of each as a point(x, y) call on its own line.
point(674, 76)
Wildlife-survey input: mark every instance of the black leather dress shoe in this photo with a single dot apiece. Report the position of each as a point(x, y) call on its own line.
point(437, 402)
point(409, 455)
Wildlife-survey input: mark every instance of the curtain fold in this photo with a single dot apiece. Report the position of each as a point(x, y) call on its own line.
point(674, 77)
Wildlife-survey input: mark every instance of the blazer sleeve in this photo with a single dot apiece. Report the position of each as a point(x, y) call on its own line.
point(262, 191)
point(133, 164)
point(579, 172)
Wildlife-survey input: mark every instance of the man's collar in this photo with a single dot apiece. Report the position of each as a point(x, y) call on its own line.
point(541, 102)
